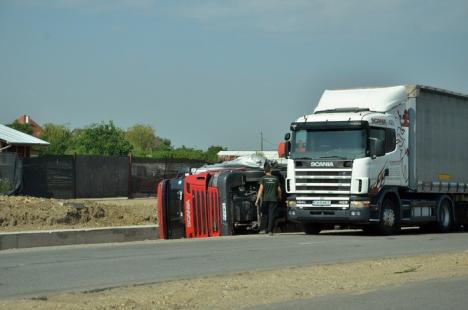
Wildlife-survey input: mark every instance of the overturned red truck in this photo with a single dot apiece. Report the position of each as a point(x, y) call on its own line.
point(213, 201)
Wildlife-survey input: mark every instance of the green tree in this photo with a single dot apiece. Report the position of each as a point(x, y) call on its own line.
point(101, 139)
point(212, 153)
point(163, 144)
point(183, 152)
point(189, 153)
point(21, 127)
point(142, 138)
point(59, 137)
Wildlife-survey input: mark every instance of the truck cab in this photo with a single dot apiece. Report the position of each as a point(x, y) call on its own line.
point(343, 156)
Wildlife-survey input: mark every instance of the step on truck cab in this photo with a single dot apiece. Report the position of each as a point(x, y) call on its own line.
point(380, 158)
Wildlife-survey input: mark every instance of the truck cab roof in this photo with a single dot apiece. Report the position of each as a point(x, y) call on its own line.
point(361, 99)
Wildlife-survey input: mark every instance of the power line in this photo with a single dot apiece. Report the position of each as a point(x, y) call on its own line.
point(262, 140)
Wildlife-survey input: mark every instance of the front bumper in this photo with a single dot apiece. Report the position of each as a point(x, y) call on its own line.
point(314, 215)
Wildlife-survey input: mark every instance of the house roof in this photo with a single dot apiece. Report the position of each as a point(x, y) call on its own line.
point(26, 119)
point(15, 137)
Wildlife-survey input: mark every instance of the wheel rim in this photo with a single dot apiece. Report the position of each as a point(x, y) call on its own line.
point(388, 217)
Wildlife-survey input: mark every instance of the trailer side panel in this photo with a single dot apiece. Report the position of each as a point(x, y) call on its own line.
point(441, 152)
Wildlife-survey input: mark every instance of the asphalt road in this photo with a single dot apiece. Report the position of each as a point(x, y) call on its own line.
point(39, 271)
point(427, 295)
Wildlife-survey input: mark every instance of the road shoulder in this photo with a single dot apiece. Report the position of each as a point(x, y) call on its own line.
point(249, 289)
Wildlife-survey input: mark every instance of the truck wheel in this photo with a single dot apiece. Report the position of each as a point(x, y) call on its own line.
point(444, 215)
point(311, 229)
point(389, 221)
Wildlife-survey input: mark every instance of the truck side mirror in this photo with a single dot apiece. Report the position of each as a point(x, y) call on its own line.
point(380, 148)
point(283, 149)
point(377, 147)
point(287, 136)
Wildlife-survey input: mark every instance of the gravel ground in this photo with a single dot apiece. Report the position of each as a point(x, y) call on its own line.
point(21, 213)
point(240, 290)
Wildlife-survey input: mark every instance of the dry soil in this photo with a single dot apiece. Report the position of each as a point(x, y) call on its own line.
point(20, 213)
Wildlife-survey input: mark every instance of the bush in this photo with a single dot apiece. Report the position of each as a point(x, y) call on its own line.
point(5, 186)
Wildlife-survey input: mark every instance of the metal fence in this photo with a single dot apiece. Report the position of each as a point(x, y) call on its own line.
point(11, 169)
point(146, 173)
point(97, 176)
point(49, 176)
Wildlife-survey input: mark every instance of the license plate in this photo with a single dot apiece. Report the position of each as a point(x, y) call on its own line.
point(321, 203)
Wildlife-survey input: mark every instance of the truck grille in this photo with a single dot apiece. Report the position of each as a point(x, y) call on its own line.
point(200, 212)
point(206, 213)
point(323, 187)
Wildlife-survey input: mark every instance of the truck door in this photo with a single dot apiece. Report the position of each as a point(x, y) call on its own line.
point(379, 166)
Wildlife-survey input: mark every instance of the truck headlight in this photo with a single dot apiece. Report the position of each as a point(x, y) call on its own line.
point(292, 203)
point(360, 204)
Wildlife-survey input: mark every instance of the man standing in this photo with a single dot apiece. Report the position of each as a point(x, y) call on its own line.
point(270, 192)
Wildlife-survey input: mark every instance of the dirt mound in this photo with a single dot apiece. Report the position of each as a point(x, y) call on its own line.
point(29, 213)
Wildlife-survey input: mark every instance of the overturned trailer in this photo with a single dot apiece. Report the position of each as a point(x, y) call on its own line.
point(214, 201)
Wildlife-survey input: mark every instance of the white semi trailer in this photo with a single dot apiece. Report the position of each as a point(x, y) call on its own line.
point(379, 159)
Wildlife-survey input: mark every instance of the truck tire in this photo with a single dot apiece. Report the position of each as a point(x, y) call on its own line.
point(444, 222)
point(389, 220)
point(311, 229)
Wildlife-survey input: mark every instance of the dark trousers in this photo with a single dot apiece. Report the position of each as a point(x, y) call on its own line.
point(269, 215)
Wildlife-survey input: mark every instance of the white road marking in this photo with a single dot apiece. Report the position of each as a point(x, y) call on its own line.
point(311, 242)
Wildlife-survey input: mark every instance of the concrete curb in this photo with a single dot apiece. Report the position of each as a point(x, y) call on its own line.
point(41, 238)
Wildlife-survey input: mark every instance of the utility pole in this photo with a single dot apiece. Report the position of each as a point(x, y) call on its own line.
point(261, 141)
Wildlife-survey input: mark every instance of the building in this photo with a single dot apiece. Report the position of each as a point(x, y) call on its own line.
point(35, 127)
point(15, 141)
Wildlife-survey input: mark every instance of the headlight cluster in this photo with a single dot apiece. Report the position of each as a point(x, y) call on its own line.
point(292, 203)
point(360, 204)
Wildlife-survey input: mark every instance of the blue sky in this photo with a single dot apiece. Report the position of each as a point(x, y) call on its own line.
point(217, 72)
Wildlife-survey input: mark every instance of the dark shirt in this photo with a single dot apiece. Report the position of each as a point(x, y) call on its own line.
point(270, 187)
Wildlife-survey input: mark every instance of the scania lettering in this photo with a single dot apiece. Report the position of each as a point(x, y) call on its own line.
point(321, 164)
point(379, 159)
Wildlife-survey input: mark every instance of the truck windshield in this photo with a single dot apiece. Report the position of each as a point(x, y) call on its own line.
point(346, 144)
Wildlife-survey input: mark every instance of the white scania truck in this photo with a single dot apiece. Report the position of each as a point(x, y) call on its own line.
point(379, 159)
